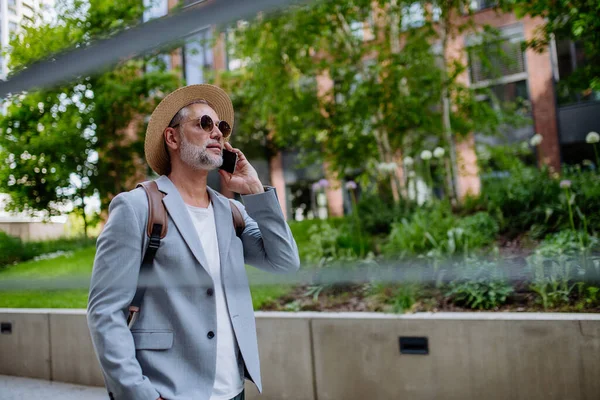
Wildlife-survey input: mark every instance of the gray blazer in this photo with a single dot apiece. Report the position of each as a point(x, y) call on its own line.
point(171, 349)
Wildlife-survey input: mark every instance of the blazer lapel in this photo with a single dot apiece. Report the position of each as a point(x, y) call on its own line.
point(181, 217)
point(223, 222)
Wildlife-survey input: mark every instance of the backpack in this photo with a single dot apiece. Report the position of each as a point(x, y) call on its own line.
point(156, 230)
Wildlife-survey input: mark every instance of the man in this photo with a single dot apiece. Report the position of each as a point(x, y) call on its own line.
point(195, 338)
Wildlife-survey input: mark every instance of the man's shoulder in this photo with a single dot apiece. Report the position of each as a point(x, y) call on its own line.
point(134, 199)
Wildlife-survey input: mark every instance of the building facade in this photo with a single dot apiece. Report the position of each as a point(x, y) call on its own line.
point(531, 80)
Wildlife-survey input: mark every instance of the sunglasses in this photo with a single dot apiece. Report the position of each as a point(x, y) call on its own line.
point(208, 125)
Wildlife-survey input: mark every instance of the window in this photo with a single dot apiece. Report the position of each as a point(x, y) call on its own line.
point(569, 56)
point(413, 16)
point(497, 60)
point(478, 5)
point(198, 57)
point(12, 27)
point(500, 66)
point(155, 9)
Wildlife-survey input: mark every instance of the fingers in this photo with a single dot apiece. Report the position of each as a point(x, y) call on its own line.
point(226, 175)
point(239, 153)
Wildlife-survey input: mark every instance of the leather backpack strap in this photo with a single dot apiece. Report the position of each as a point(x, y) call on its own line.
point(238, 219)
point(156, 230)
point(157, 215)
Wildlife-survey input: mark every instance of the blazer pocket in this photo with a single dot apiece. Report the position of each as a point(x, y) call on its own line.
point(152, 339)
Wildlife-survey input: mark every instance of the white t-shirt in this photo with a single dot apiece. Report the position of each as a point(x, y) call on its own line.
point(228, 382)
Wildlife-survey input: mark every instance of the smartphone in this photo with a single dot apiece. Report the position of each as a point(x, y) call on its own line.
point(229, 161)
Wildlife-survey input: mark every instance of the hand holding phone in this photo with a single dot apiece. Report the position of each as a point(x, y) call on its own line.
point(237, 173)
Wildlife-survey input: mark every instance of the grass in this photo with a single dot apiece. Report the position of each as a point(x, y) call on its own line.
point(78, 265)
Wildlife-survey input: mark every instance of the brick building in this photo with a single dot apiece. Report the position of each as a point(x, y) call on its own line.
point(531, 79)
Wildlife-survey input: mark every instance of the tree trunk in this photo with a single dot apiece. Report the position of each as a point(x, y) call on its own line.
point(445, 99)
point(85, 221)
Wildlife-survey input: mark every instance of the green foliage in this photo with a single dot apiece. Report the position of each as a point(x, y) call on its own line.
point(325, 241)
point(524, 198)
point(481, 285)
point(326, 247)
point(436, 231)
point(376, 214)
point(66, 143)
point(560, 261)
point(575, 20)
point(10, 249)
point(14, 250)
point(385, 93)
point(480, 294)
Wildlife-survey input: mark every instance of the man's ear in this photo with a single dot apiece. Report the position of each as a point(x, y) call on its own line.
point(171, 138)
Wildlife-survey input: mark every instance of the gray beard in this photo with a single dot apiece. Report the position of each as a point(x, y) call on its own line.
point(199, 157)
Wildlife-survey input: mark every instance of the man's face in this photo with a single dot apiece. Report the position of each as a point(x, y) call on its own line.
point(200, 150)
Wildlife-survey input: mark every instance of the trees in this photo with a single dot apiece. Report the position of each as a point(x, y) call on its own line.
point(386, 86)
point(575, 20)
point(62, 145)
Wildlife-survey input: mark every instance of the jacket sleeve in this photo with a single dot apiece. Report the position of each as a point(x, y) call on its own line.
point(267, 239)
point(113, 285)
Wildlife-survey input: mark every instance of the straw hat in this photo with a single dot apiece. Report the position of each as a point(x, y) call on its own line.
point(154, 147)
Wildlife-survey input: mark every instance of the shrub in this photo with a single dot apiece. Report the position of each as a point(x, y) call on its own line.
point(13, 250)
point(330, 239)
point(437, 231)
point(480, 228)
point(561, 264)
point(527, 198)
point(376, 214)
point(420, 232)
point(483, 286)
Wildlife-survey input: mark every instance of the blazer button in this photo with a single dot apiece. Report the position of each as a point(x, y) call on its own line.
point(210, 335)
point(210, 292)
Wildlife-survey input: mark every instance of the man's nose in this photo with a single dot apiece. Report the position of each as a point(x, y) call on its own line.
point(216, 134)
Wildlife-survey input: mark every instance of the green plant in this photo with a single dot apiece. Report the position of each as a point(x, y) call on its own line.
point(324, 246)
point(480, 229)
point(420, 232)
point(404, 297)
point(559, 265)
point(14, 250)
point(11, 249)
point(376, 214)
point(437, 232)
point(483, 286)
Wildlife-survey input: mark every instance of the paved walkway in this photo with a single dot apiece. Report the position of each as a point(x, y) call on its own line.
point(16, 388)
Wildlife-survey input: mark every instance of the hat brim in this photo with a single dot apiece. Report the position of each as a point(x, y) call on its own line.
point(154, 147)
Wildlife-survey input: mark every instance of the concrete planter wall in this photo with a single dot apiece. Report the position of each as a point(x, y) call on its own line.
point(325, 356)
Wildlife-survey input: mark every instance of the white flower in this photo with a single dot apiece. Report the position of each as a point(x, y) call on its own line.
point(438, 152)
point(426, 155)
point(383, 167)
point(592, 137)
point(411, 174)
point(536, 140)
point(408, 161)
point(565, 184)
point(350, 185)
point(387, 167)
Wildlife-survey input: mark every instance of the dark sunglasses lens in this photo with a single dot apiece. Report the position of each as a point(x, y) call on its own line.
point(224, 128)
point(206, 123)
